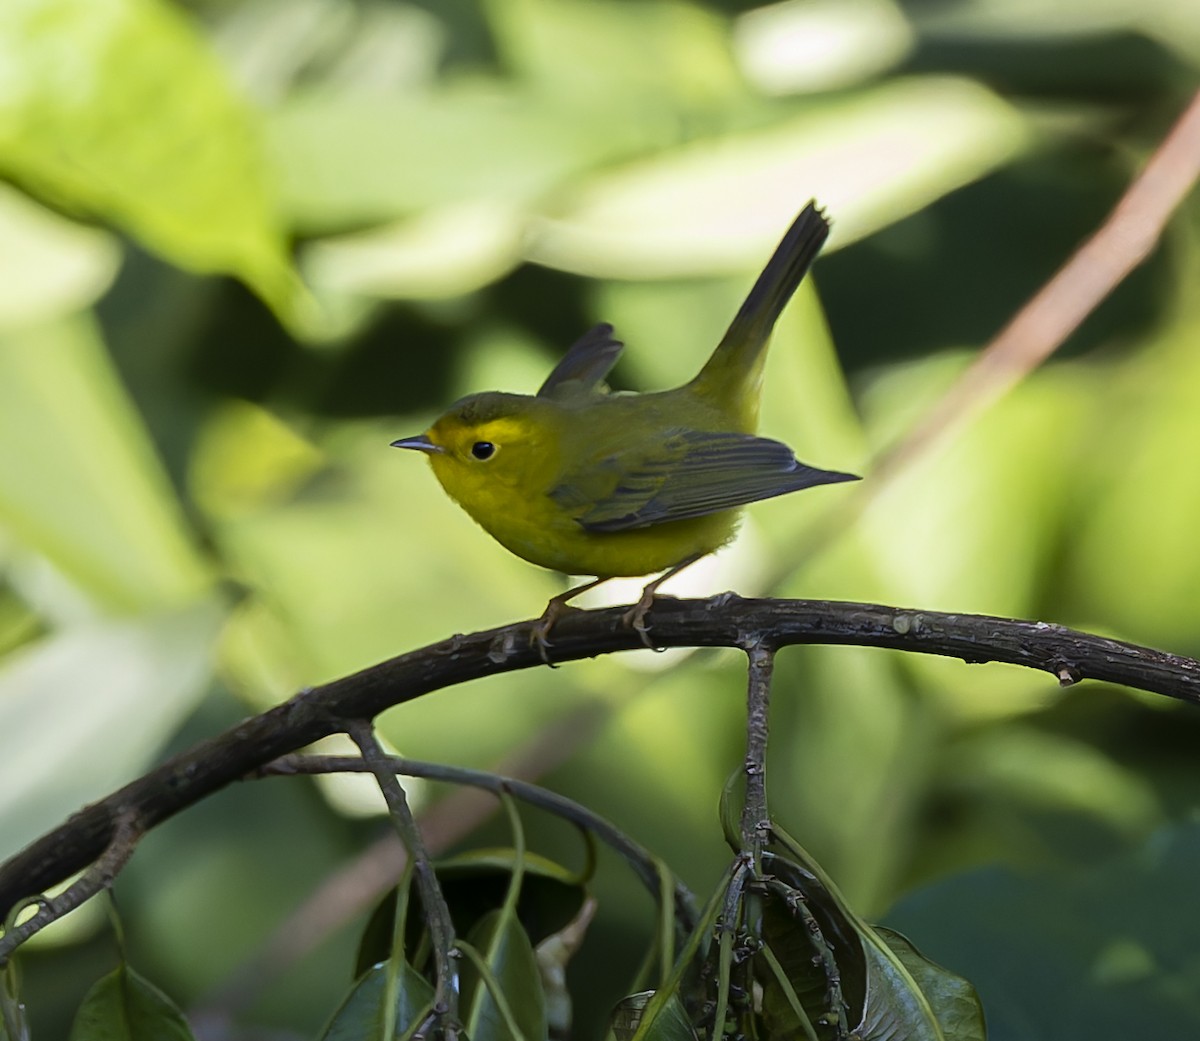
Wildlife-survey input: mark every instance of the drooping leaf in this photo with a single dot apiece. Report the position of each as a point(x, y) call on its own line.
point(881, 996)
point(793, 946)
point(124, 1006)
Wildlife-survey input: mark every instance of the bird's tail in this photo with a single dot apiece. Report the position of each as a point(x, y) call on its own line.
point(735, 368)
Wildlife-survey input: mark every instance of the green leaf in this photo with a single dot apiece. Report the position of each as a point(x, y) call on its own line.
point(671, 1023)
point(953, 999)
point(13, 1024)
point(509, 958)
point(375, 944)
point(66, 703)
point(88, 491)
point(125, 1007)
point(363, 1014)
point(118, 109)
point(474, 885)
point(344, 164)
point(717, 206)
point(1103, 948)
point(791, 943)
point(48, 265)
point(666, 55)
point(883, 998)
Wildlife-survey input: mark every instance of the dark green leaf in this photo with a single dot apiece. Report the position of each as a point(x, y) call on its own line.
point(1104, 951)
point(671, 1024)
point(882, 999)
point(952, 998)
point(475, 884)
point(732, 793)
point(375, 944)
point(13, 1026)
point(792, 944)
point(125, 1007)
point(363, 1015)
point(508, 954)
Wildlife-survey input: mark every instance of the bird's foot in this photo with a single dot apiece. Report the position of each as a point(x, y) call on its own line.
point(635, 618)
point(539, 635)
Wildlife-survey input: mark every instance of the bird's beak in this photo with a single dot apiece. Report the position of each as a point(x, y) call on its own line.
point(420, 443)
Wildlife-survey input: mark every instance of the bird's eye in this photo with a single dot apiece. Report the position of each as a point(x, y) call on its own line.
point(483, 450)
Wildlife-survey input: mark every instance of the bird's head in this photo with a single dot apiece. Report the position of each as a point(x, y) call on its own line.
point(489, 440)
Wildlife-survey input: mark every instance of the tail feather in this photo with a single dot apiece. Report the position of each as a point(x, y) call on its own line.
point(738, 357)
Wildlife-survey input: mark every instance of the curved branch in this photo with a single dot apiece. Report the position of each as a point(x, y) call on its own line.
point(723, 621)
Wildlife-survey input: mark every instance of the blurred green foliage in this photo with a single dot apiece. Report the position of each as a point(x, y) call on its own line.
point(199, 513)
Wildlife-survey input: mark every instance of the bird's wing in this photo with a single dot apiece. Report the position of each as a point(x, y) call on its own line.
point(688, 473)
point(584, 366)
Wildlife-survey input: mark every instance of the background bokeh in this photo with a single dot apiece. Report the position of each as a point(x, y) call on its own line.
point(244, 244)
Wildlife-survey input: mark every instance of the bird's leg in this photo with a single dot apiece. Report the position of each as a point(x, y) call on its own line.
point(555, 609)
point(636, 615)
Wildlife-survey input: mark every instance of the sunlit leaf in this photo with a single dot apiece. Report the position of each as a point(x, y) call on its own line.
point(48, 265)
point(808, 45)
point(717, 206)
point(118, 109)
point(446, 251)
point(67, 706)
point(88, 491)
point(124, 1006)
point(349, 159)
point(666, 54)
point(1054, 774)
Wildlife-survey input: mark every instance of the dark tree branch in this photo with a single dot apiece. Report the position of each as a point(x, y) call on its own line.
point(723, 621)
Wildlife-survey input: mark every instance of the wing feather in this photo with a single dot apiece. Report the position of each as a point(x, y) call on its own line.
point(583, 368)
point(690, 473)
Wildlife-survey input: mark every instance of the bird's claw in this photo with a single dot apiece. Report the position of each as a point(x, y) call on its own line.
point(635, 618)
point(538, 637)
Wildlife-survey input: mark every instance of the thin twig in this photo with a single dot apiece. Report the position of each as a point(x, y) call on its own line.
point(358, 884)
point(437, 913)
point(640, 860)
point(98, 878)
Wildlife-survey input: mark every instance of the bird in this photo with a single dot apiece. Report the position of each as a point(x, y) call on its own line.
point(586, 481)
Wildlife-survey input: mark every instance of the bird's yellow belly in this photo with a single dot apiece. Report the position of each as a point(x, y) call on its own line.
point(539, 530)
